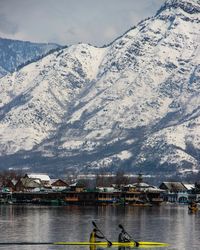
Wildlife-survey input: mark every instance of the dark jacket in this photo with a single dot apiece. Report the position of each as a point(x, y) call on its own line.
point(124, 237)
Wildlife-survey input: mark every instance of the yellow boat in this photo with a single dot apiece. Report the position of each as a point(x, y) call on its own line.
point(116, 244)
point(142, 244)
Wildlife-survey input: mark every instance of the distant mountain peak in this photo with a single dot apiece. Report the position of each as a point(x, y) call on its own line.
point(134, 104)
point(189, 6)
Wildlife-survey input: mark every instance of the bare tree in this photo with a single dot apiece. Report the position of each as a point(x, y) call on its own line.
point(10, 175)
point(121, 179)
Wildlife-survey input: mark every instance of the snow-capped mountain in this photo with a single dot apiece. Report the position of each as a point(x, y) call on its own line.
point(133, 104)
point(15, 53)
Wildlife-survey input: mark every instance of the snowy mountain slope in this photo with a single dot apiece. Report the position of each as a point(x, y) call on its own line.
point(134, 104)
point(34, 99)
point(14, 53)
point(3, 72)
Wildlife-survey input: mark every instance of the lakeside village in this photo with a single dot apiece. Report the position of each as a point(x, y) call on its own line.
point(107, 190)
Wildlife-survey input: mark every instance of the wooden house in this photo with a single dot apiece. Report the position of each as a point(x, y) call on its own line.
point(27, 185)
point(175, 192)
point(142, 192)
point(71, 197)
point(77, 187)
point(58, 184)
point(43, 178)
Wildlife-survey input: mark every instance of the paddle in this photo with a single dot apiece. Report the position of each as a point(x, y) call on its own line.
point(109, 242)
point(136, 243)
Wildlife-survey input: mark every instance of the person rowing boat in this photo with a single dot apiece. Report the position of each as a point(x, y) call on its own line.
point(124, 240)
point(94, 235)
point(93, 238)
point(193, 207)
point(125, 237)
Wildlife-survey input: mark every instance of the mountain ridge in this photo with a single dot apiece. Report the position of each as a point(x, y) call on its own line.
point(131, 105)
point(15, 53)
point(189, 6)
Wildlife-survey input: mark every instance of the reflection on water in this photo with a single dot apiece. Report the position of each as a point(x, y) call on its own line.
point(171, 224)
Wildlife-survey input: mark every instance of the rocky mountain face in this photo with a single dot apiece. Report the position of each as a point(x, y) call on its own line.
point(134, 104)
point(14, 54)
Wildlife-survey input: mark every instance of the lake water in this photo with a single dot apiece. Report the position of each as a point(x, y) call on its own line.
point(167, 223)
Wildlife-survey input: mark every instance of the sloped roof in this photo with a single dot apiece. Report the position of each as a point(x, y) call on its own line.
point(30, 183)
point(189, 186)
point(154, 189)
point(106, 189)
point(174, 186)
point(141, 185)
point(73, 184)
point(42, 177)
point(52, 181)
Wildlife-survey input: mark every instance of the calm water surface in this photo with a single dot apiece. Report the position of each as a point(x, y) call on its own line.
point(171, 224)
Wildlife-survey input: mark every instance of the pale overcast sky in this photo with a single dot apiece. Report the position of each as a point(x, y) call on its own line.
point(66, 22)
